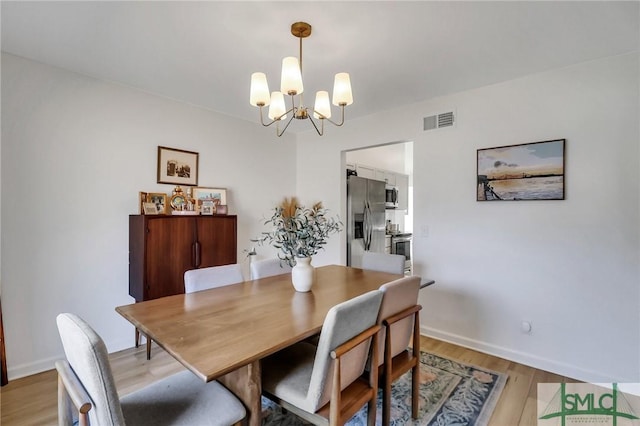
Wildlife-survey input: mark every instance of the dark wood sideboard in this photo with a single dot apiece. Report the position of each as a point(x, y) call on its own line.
point(162, 248)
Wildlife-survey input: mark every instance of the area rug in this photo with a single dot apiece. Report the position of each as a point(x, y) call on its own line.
point(451, 393)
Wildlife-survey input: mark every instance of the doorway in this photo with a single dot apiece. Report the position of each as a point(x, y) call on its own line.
point(396, 157)
point(393, 165)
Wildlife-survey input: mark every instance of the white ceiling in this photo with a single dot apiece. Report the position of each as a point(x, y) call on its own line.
point(397, 52)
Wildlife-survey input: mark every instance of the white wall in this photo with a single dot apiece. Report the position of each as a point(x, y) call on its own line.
point(75, 153)
point(570, 267)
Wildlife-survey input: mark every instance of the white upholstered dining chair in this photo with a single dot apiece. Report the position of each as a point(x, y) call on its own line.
point(324, 384)
point(400, 320)
point(214, 276)
point(383, 262)
point(206, 278)
point(87, 392)
point(268, 267)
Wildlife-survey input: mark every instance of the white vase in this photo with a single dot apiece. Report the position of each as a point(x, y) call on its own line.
point(302, 274)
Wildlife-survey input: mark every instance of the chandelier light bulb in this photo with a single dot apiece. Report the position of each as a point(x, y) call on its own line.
point(277, 107)
point(259, 90)
point(291, 81)
point(322, 105)
point(342, 90)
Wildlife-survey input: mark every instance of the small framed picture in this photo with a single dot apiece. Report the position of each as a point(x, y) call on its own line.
point(207, 207)
point(149, 208)
point(142, 198)
point(221, 209)
point(177, 166)
point(160, 200)
point(217, 195)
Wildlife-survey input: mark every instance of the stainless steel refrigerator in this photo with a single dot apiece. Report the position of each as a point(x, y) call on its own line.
point(365, 218)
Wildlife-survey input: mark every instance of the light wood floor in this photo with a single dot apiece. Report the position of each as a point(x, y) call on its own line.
point(33, 400)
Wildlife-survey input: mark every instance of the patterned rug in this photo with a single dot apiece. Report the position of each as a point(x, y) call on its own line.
point(451, 393)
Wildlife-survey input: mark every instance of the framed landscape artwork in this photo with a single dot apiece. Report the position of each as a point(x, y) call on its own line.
point(217, 195)
point(177, 167)
point(530, 171)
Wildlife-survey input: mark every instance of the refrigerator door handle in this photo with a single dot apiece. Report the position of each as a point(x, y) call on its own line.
point(367, 226)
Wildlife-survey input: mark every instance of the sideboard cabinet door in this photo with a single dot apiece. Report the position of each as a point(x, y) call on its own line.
point(162, 248)
point(217, 239)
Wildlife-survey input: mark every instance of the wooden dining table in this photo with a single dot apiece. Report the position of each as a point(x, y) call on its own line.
point(223, 333)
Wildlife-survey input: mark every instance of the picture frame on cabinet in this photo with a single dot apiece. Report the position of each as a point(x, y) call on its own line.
point(149, 208)
point(177, 166)
point(160, 200)
point(217, 195)
point(528, 171)
point(221, 209)
point(142, 198)
point(207, 207)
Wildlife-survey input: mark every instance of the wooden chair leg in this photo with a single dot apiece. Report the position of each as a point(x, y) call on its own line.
point(137, 337)
point(386, 401)
point(371, 412)
point(415, 371)
point(148, 348)
point(415, 387)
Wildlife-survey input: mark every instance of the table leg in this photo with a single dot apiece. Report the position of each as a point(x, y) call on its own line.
point(246, 384)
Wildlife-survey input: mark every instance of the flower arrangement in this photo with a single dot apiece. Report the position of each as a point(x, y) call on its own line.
point(298, 231)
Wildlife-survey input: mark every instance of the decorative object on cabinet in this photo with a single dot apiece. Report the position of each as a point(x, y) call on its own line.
point(160, 200)
point(142, 198)
point(162, 248)
point(150, 208)
point(177, 166)
point(217, 195)
point(207, 207)
point(178, 202)
point(530, 171)
point(221, 209)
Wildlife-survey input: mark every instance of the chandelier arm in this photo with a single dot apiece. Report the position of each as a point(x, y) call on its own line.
point(278, 132)
point(330, 120)
point(275, 120)
point(315, 126)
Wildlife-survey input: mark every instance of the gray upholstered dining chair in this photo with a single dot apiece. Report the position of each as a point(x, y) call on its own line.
point(323, 384)
point(87, 391)
point(384, 262)
point(268, 267)
point(400, 320)
point(211, 277)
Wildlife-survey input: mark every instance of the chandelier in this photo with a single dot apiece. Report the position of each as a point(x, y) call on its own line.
point(291, 84)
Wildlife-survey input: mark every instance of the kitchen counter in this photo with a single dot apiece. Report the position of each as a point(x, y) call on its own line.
point(399, 234)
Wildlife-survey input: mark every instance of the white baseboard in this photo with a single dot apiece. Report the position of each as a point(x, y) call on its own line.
point(541, 363)
point(23, 370)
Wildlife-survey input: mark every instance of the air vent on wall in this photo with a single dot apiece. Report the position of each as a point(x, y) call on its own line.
point(446, 119)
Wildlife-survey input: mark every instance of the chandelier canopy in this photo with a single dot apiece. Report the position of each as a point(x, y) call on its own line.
point(291, 84)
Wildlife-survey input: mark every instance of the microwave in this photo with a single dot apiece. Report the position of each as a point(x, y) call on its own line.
point(391, 197)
